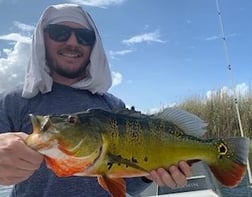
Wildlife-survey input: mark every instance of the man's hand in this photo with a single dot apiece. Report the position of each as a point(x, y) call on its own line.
point(174, 176)
point(17, 161)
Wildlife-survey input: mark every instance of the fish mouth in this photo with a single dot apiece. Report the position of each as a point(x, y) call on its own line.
point(37, 143)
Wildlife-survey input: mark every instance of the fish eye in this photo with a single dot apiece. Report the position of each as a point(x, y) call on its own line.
point(72, 119)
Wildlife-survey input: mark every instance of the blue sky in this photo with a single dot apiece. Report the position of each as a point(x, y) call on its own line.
point(160, 51)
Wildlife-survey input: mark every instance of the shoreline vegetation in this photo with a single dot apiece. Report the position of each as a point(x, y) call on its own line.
point(220, 112)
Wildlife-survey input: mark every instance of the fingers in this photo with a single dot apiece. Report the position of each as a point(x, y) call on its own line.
point(185, 168)
point(17, 161)
point(12, 175)
point(163, 178)
point(29, 159)
point(173, 177)
point(178, 177)
point(16, 151)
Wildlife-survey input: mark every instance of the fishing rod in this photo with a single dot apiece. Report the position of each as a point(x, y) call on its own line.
point(229, 67)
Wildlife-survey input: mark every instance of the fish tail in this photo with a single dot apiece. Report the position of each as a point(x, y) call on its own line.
point(230, 165)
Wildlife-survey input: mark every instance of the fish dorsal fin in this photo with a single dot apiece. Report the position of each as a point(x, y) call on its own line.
point(131, 112)
point(186, 121)
point(115, 186)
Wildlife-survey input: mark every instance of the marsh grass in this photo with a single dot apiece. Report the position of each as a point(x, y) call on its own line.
point(220, 112)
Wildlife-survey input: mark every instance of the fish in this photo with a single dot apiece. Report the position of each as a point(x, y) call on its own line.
point(115, 145)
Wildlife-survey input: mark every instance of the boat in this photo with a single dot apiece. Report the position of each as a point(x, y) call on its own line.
point(202, 184)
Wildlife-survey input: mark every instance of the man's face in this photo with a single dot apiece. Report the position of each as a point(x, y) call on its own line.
point(68, 59)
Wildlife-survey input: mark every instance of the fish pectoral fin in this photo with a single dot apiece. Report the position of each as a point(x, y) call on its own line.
point(115, 186)
point(55, 166)
point(64, 168)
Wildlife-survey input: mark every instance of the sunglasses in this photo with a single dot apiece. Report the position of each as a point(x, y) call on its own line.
point(61, 33)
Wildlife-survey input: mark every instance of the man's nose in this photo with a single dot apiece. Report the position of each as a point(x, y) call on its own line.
point(72, 39)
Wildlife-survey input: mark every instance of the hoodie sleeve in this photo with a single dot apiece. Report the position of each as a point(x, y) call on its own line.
point(113, 102)
point(11, 111)
point(136, 185)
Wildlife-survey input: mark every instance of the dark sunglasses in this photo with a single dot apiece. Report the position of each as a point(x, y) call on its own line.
point(61, 33)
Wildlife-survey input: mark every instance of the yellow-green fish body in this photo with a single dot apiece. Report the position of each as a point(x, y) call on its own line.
point(116, 145)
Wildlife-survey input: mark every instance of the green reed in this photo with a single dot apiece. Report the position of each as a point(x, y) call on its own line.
point(220, 112)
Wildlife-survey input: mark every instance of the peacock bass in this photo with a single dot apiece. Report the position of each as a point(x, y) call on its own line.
point(116, 145)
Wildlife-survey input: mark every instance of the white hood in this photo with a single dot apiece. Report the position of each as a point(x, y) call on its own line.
point(38, 77)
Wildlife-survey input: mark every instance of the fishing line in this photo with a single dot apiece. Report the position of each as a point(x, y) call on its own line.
point(229, 67)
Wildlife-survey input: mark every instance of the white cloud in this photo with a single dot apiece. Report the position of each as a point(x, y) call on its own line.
point(16, 37)
point(242, 89)
point(13, 60)
point(146, 37)
point(98, 3)
point(158, 109)
point(12, 68)
point(116, 78)
point(239, 90)
point(23, 27)
point(115, 54)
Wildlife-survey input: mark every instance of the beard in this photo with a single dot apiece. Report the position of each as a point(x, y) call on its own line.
point(80, 71)
point(71, 74)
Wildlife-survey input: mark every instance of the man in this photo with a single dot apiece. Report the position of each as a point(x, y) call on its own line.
point(67, 72)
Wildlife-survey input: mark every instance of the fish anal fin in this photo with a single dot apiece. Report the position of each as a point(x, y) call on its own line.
point(229, 176)
point(115, 186)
